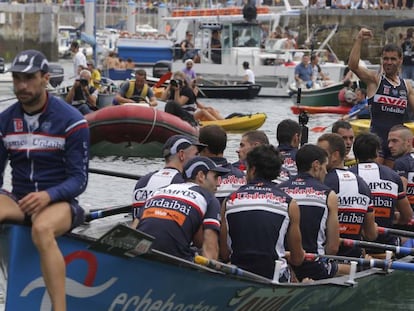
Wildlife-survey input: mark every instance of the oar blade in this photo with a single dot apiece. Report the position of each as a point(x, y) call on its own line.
point(163, 78)
point(319, 129)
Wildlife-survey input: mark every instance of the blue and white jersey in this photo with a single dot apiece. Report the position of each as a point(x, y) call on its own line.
point(404, 166)
point(148, 184)
point(257, 219)
point(47, 151)
point(174, 214)
point(312, 198)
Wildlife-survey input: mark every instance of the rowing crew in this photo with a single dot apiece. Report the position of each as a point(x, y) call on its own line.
point(259, 220)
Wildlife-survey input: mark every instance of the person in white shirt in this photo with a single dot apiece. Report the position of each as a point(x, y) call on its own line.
point(79, 59)
point(248, 74)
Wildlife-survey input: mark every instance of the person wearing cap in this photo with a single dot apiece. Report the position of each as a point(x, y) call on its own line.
point(135, 91)
point(248, 74)
point(79, 59)
point(189, 72)
point(47, 143)
point(215, 137)
point(177, 151)
point(258, 217)
point(82, 95)
point(95, 74)
point(175, 214)
point(180, 98)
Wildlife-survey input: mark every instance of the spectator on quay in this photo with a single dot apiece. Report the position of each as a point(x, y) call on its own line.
point(255, 247)
point(408, 55)
point(79, 59)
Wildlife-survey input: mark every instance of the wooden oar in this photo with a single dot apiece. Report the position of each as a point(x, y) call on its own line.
point(371, 263)
point(107, 212)
point(230, 269)
point(319, 129)
point(114, 174)
point(383, 230)
point(396, 249)
point(164, 77)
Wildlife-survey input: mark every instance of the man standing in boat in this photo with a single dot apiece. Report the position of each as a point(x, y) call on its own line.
point(174, 214)
point(47, 143)
point(248, 74)
point(388, 95)
point(135, 91)
point(177, 151)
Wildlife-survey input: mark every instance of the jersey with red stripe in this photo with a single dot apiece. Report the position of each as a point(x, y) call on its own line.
point(174, 214)
point(404, 166)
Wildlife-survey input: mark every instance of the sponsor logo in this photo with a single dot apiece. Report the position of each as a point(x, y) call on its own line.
point(18, 125)
point(73, 287)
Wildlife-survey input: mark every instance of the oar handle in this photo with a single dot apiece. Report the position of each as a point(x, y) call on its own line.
point(396, 249)
point(114, 174)
point(107, 212)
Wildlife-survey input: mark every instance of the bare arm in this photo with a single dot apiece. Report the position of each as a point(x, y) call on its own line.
point(210, 244)
point(369, 77)
point(332, 225)
point(410, 94)
point(406, 213)
point(369, 227)
point(294, 237)
point(224, 249)
point(153, 101)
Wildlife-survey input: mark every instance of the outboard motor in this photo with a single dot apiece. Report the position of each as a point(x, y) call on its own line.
point(160, 68)
point(56, 74)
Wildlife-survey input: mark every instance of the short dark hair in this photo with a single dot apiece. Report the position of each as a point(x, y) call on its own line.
point(307, 154)
point(215, 137)
point(266, 160)
point(286, 130)
point(341, 124)
point(245, 65)
point(366, 146)
point(256, 136)
point(392, 47)
point(141, 72)
point(336, 143)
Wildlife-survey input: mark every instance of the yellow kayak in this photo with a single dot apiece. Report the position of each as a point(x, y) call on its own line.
point(362, 125)
point(239, 123)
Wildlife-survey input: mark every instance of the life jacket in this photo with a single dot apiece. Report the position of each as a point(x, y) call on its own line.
point(130, 92)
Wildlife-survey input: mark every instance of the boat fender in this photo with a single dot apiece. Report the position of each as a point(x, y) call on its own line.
point(235, 115)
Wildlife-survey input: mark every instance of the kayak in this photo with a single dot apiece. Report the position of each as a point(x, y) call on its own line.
point(239, 123)
point(320, 109)
point(362, 125)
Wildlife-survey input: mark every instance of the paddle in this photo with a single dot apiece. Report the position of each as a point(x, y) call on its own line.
point(114, 174)
point(107, 212)
point(164, 77)
point(371, 263)
point(319, 129)
point(230, 269)
point(383, 230)
point(396, 249)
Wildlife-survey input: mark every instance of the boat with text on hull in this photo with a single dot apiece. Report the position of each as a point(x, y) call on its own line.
point(109, 274)
point(133, 130)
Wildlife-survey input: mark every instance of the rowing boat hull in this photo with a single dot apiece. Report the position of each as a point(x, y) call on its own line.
point(101, 281)
point(239, 124)
point(133, 130)
point(324, 96)
point(238, 91)
point(321, 109)
point(362, 125)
